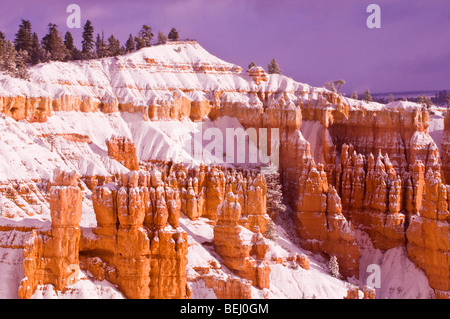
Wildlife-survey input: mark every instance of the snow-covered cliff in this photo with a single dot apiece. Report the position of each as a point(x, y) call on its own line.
point(69, 115)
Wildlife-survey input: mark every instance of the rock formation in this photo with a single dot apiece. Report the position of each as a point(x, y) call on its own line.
point(52, 257)
point(379, 171)
point(428, 234)
point(138, 236)
point(229, 288)
point(236, 245)
point(445, 147)
point(123, 150)
point(353, 293)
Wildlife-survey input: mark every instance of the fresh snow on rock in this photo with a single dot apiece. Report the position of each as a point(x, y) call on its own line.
point(149, 77)
point(399, 277)
point(84, 288)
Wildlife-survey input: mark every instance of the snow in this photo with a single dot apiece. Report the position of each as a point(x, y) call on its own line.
point(151, 76)
point(83, 288)
point(201, 291)
point(312, 131)
point(27, 154)
point(399, 277)
point(436, 127)
point(403, 105)
point(287, 280)
point(421, 139)
point(11, 272)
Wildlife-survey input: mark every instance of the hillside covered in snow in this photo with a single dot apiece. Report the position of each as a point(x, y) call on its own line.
point(362, 181)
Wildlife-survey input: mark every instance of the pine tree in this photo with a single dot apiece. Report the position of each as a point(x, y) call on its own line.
point(354, 95)
point(2, 47)
point(9, 59)
point(24, 38)
point(334, 266)
point(146, 35)
point(273, 68)
point(88, 40)
point(391, 98)
point(101, 46)
point(275, 204)
point(251, 65)
point(114, 46)
point(330, 86)
point(68, 42)
point(447, 99)
point(53, 44)
point(367, 97)
point(338, 84)
point(422, 99)
point(21, 65)
point(139, 42)
point(162, 39)
point(173, 35)
point(38, 54)
point(130, 45)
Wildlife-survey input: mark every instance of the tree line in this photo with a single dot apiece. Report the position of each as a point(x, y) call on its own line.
point(28, 49)
point(441, 98)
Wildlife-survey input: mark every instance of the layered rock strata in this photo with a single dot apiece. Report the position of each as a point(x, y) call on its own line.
point(123, 150)
point(203, 189)
point(237, 246)
point(52, 257)
point(137, 235)
point(381, 169)
point(428, 234)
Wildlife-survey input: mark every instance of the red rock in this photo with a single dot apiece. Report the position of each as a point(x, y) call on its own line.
point(236, 247)
point(123, 150)
point(229, 288)
point(150, 261)
point(52, 257)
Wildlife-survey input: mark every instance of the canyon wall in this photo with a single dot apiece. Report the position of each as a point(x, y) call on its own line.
point(381, 173)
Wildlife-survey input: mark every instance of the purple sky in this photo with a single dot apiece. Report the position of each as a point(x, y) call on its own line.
point(314, 41)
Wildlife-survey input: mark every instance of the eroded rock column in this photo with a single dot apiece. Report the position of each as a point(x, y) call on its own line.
point(51, 257)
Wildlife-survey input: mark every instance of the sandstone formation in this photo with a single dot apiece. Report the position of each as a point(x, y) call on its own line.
point(123, 150)
point(202, 190)
point(139, 238)
point(381, 172)
point(51, 257)
point(353, 293)
point(229, 288)
point(428, 234)
point(258, 74)
point(445, 147)
point(237, 246)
